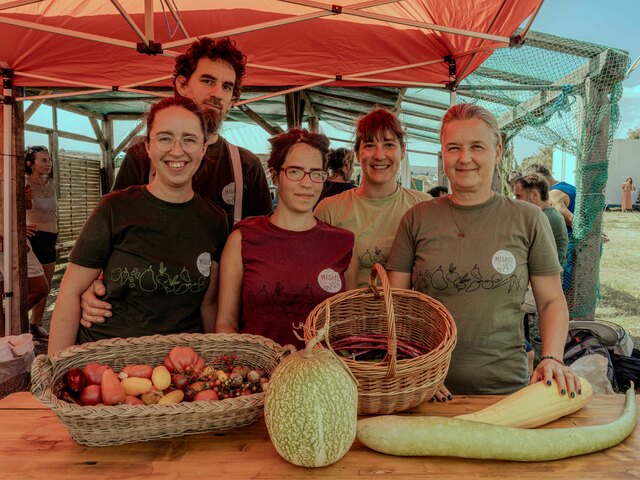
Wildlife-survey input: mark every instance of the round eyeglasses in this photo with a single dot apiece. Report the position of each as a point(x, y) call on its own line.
point(165, 143)
point(297, 174)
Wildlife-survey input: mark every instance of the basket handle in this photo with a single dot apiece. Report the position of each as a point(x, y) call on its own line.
point(392, 345)
point(41, 380)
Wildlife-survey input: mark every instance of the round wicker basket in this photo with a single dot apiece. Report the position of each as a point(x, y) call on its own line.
point(391, 385)
point(118, 424)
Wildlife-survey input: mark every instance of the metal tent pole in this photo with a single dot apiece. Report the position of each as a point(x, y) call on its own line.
point(7, 113)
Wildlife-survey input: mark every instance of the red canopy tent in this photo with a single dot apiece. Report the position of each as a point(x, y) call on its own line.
point(94, 46)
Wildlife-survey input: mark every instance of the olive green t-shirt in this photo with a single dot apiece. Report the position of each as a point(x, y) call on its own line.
point(374, 222)
point(481, 276)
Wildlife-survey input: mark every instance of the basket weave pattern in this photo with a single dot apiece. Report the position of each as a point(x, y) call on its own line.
point(114, 425)
point(391, 385)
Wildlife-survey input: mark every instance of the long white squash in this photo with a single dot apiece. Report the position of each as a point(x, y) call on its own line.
point(452, 437)
point(532, 406)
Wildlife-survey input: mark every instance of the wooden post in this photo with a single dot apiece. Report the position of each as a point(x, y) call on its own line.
point(107, 130)
point(587, 227)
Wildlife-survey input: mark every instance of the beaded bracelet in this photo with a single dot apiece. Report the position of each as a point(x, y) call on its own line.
point(551, 357)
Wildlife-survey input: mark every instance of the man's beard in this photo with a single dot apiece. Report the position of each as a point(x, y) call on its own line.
point(214, 119)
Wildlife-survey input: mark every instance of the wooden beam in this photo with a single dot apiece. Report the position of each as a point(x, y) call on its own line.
point(258, 120)
point(554, 43)
point(125, 141)
point(71, 108)
point(97, 129)
point(489, 98)
point(49, 131)
point(509, 77)
point(33, 107)
point(602, 66)
point(427, 103)
point(344, 98)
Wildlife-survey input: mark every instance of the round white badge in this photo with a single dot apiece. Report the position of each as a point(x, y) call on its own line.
point(229, 194)
point(329, 280)
point(204, 263)
point(504, 262)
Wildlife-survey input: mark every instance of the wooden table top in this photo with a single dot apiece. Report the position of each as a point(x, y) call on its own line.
point(34, 444)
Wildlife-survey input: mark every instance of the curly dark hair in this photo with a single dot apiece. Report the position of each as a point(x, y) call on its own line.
point(281, 145)
point(220, 49)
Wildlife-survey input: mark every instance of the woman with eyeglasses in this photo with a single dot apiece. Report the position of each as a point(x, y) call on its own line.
point(159, 245)
point(275, 269)
point(42, 224)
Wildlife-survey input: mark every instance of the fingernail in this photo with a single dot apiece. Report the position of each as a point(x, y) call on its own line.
point(549, 382)
point(573, 395)
point(433, 399)
point(450, 397)
point(579, 391)
point(443, 399)
point(563, 391)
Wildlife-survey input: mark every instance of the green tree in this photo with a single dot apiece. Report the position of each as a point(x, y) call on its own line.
point(543, 157)
point(634, 133)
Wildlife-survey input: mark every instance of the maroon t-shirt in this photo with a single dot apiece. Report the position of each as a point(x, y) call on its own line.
point(286, 274)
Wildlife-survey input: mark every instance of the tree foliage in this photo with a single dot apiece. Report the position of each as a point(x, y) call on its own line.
point(634, 133)
point(543, 157)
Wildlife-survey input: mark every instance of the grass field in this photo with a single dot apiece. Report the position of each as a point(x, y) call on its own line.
point(619, 270)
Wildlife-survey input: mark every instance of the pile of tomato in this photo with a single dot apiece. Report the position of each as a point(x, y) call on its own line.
point(183, 376)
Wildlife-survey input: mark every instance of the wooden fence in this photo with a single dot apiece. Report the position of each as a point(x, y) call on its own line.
point(80, 191)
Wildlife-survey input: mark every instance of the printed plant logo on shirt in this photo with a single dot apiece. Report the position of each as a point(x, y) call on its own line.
point(329, 280)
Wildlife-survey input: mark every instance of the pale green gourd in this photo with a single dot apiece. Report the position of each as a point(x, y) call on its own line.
point(452, 437)
point(311, 408)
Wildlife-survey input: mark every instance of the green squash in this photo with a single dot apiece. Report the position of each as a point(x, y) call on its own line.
point(311, 408)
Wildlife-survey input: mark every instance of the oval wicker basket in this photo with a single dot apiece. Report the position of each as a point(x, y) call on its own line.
point(114, 425)
point(391, 385)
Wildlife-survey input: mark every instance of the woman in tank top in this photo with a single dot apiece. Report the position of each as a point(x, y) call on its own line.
point(42, 224)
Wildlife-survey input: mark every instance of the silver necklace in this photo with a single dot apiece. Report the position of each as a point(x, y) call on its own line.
point(461, 231)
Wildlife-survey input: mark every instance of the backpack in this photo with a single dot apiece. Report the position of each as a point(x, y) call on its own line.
point(627, 369)
point(581, 342)
point(609, 340)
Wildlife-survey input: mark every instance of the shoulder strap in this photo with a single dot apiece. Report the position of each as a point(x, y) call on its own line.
point(237, 176)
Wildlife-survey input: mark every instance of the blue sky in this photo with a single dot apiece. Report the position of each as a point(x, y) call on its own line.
point(614, 23)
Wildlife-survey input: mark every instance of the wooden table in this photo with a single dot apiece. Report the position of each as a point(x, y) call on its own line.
point(34, 444)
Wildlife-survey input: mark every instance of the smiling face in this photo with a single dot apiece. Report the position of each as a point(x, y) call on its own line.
point(470, 155)
point(41, 164)
point(380, 160)
point(211, 87)
point(299, 196)
point(175, 167)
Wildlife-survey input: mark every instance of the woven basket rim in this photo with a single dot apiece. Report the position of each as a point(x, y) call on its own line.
point(69, 410)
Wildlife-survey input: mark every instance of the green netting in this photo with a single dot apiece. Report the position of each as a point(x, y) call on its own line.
point(564, 93)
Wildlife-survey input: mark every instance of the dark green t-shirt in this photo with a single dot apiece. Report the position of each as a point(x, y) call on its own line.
point(156, 257)
point(559, 229)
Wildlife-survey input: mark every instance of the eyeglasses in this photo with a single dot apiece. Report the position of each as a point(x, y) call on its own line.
point(165, 143)
point(297, 174)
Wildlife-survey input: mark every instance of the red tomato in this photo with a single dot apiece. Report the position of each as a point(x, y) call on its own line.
point(93, 373)
point(75, 380)
point(90, 395)
point(139, 371)
point(131, 400)
point(205, 395)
